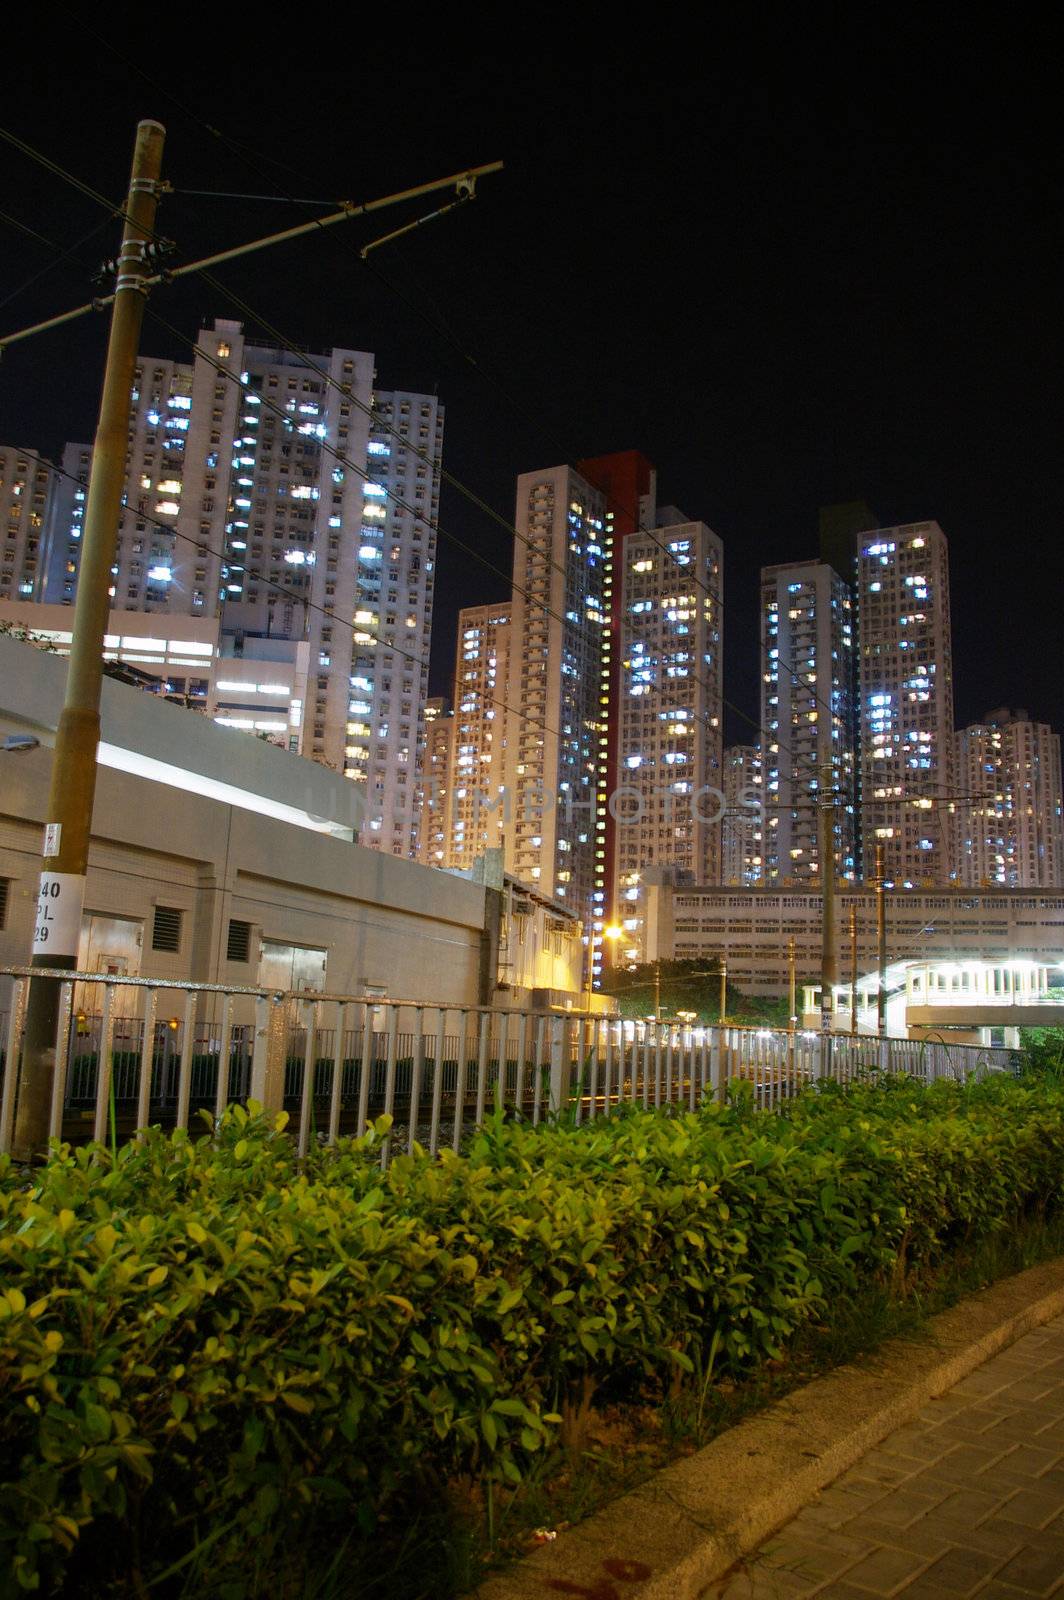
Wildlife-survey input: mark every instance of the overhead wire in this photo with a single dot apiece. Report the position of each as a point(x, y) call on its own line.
point(292, 594)
point(540, 724)
point(365, 474)
point(209, 277)
point(772, 736)
point(60, 172)
point(60, 254)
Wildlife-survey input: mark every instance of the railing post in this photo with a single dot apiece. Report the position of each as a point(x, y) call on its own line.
point(184, 1074)
point(483, 1045)
point(221, 1087)
point(829, 1056)
point(12, 1052)
point(104, 1064)
point(147, 1060)
point(607, 1070)
point(560, 1064)
point(437, 1080)
point(306, 1104)
point(715, 1052)
point(268, 1052)
point(417, 1068)
point(390, 1066)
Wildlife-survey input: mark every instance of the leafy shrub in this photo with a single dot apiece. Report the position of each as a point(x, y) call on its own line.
point(210, 1354)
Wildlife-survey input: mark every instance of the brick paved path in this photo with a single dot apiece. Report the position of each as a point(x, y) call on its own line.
point(967, 1501)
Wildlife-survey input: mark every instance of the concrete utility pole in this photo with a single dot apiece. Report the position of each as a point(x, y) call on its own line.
point(73, 786)
point(828, 960)
point(853, 969)
point(881, 941)
point(723, 990)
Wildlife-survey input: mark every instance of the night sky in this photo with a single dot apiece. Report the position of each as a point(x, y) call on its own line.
point(795, 266)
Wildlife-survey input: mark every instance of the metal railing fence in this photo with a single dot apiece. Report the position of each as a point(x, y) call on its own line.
point(136, 1051)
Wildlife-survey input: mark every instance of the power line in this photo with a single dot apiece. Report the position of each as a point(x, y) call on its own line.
point(772, 737)
point(275, 199)
point(297, 598)
point(684, 573)
point(61, 173)
point(31, 233)
point(345, 460)
point(60, 255)
point(58, 171)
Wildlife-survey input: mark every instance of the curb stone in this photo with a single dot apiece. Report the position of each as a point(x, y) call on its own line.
point(670, 1538)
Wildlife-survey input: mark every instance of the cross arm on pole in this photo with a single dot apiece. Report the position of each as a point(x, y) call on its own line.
point(463, 183)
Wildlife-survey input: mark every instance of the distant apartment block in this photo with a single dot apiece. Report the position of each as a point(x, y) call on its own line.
point(483, 722)
point(26, 493)
point(559, 617)
point(435, 795)
point(288, 497)
point(906, 703)
point(668, 795)
point(808, 667)
point(1009, 828)
point(742, 830)
point(751, 928)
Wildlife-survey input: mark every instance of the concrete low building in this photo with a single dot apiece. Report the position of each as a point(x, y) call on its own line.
point(751, 928)
point(216, 857)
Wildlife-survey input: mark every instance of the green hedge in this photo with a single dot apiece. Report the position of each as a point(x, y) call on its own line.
point(205, 1350)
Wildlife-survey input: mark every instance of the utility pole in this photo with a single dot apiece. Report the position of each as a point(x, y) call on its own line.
point(723, 989)
point(828, 960)
point(73, 786)
point(853, 968)
point(881, 942)
point(657, 990)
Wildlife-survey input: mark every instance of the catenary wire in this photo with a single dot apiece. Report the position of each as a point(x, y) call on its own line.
point(60, 172)
point(686, 575)
point(61, 255)
point(714, 595)
point(366, 476)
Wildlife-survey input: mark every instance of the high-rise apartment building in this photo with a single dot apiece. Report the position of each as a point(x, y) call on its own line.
point(742, 830)
point(1009, 829)
point(482, 725)
point(668, 802)
point(906, 702)
point(560, 613)
point(26, 485)
point(808, 669)
point(435, 787)
point(285, 494)
point(396, 580)
point(613, 747)
point(629, 483)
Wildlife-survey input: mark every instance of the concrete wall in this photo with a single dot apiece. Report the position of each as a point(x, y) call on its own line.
point(404, 929)
point(411, 932)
